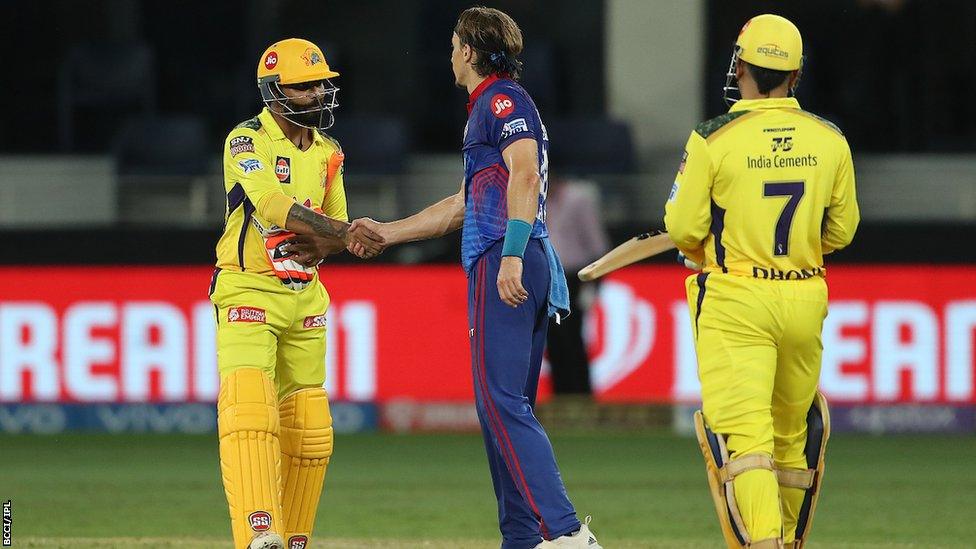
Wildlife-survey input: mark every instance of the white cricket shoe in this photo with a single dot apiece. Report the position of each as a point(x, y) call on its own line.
point(583, 539)
point(267, 540)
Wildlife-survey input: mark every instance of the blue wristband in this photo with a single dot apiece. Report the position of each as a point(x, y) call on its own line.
point(516, 238)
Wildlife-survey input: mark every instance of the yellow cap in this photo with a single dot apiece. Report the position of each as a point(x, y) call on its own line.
point(294, 61)
point(771, 42)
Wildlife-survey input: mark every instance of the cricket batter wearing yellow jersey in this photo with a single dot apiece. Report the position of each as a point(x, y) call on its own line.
point(762, 193)
point(286, 211)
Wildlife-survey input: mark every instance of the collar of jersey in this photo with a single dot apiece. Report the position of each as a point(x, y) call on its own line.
point(482, 87)
point(768, 103)
point(270, 126)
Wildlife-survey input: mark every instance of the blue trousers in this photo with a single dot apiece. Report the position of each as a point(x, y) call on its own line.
point(506, 357)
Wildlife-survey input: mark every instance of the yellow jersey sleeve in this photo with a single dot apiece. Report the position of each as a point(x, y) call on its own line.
point(248, 160)
point(842, 215)
point(687, 213)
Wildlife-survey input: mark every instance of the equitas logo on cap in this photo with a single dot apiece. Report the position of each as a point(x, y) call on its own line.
point(772, 50)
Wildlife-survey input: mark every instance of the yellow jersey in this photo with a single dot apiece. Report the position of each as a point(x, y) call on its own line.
point(264, 175)
point(764, 191)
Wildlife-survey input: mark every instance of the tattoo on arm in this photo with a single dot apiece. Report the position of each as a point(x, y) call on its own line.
point(302, 220)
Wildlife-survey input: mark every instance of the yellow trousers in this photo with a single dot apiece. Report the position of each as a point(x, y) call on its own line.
point(759, 348)
point(262, 324)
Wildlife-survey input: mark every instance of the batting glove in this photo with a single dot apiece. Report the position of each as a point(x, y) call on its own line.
point(292, 274)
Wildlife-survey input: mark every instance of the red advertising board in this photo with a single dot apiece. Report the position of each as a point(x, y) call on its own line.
point(146, 334)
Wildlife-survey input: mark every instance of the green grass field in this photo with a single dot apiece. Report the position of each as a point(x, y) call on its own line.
point(433, 491)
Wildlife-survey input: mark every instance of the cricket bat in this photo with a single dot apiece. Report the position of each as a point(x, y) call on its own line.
point(640, 247)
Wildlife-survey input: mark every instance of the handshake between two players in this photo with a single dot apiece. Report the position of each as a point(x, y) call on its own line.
point(763, 427)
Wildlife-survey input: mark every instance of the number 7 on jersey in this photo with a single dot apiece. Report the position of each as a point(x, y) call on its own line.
point(794, 190)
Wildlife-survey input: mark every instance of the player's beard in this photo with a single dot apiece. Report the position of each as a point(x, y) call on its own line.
point(313, 118)
point(310, 115)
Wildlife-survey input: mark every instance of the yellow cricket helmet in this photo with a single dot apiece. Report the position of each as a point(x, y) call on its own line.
point(298, 64)
point(768, 41)
point(771, 42)
point(294, 61)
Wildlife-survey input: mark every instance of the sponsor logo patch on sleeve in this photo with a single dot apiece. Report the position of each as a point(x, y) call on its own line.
point(674, 192)
point(684, 160)
point(514, 127)
point(241, 144)
point(249, 165)
point(501, 105)
point(246, 314)
point(317, 321)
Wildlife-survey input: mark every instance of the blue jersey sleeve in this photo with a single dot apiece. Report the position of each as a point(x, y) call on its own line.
point(511, 116)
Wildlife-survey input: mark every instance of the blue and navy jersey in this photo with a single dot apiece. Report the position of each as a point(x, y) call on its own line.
point(500, 112)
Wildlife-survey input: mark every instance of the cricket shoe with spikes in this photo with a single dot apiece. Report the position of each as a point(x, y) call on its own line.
point(581, 539)
point(267, 540)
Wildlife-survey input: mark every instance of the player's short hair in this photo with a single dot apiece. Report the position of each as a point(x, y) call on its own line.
point(766, 79)
point(495, 36)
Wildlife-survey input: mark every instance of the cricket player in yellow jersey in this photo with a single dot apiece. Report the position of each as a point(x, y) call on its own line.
point(762, 193)
point(286, 211)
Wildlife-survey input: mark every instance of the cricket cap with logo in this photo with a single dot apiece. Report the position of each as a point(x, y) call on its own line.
point(771, 42)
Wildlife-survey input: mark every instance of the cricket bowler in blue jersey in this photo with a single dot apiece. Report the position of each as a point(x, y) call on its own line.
point(515, 280)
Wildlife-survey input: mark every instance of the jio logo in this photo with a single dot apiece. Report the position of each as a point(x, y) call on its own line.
point(502, 105)
point(271, 60)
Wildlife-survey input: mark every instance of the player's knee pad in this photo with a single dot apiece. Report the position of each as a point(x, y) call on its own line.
point(809, 479)
point(306, 446)
point(247, 423)
point(721, 471)
point(247, 403)
point(306, 424)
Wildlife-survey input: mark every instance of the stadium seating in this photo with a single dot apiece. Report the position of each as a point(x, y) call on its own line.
point(590, 146)
point(159, 164)
point(99, 85)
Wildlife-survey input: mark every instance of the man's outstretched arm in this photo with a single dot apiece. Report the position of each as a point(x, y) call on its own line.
point(436, 220)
